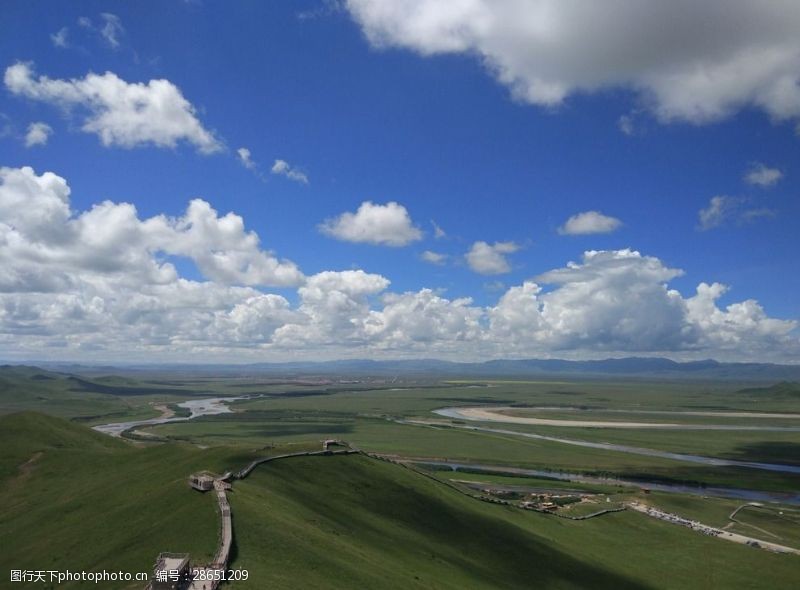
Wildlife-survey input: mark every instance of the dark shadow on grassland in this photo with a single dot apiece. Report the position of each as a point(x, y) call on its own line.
point(84, 386)
point(278, 415)
point(473, 400)
point(394, 517)
point(268, 431)
point(787, 453)
point(707, 476)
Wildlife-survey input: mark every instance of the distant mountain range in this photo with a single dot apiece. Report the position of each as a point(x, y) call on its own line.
point(647, 367)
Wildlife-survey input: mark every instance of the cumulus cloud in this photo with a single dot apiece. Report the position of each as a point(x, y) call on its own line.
point(38, 133)
point(743, 324)
point(101, 283)
point(763, 176)
point(120, 113)
point(424, 320)
point(434, 257)
point(620, 301)
point(383, 225)
point(283, 168)
point(686, 60)
point(45, 243)
point(590, 222)
point(490, 259)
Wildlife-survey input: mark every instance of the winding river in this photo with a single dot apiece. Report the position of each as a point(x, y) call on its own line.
point(734, 493)
point(197, 407)
point(495, 414)
point(463, 414)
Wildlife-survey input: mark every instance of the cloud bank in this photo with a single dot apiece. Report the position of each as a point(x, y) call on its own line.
point(101, 283)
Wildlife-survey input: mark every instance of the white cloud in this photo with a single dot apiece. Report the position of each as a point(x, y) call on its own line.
point(384, 225)
point(38, 134)
point(283, 168)
point(245, 158)
point(111, 29)
point(434, 257)
point(59, 38)
point(119, 113)
point(44, 242)
point(723, 209)
point(719, 209)
point(438, 232)
point(424, 321)
point(590, 222)
point(743, 324)
point(490, 259)
point(686, 60)
point(619, 301)
point(100, 284)
point(763, 176)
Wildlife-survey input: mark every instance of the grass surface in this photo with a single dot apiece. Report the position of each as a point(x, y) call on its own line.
point(71, 498)
point(351, 522)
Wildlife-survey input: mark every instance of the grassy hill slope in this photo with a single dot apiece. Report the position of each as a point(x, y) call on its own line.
point(112, 398)
point(71, 498)
point(353, 522)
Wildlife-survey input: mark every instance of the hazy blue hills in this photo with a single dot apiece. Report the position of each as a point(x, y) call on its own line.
point(642, 367)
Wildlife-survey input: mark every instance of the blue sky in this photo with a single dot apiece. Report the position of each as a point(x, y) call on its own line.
point(371, 109)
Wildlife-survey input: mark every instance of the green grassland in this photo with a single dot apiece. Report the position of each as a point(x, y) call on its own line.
point(296, 412)
point(352, 522)
point(771, 522)
point(71, 498)
point(99, 400)
point(761, 446)
point(74, 498)
point(382, 436)
point(654, 417)
point(531, 482)
point(781, 523)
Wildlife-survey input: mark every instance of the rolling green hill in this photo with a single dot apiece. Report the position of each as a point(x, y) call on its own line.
point(105, 398)
point(355, 522)
point(73, 499)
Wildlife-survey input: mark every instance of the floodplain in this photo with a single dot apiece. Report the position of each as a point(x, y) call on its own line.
point(430, 500)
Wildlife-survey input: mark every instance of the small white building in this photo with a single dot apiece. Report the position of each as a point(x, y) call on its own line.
point(203, 481)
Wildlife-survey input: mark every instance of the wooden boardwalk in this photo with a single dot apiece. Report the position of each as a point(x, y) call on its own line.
point(222, 485)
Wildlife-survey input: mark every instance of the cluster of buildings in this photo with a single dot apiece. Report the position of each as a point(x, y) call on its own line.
point(551, 502)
